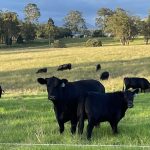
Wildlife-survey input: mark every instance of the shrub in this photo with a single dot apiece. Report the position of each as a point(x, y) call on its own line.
point(97, 33)
point(58, 44)
point(20, 39)
point(8, 40)
point(93, 43)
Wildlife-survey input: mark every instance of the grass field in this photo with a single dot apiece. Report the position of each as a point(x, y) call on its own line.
point(26, 116)
point(71, 42)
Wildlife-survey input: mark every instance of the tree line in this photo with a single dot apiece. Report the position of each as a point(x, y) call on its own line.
point(117, 23)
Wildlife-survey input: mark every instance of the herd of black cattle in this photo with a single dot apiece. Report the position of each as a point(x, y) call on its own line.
point(86, 99)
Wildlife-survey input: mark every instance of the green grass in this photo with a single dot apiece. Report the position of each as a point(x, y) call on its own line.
point(30, 119)
point(26, 116)
point(71, 42)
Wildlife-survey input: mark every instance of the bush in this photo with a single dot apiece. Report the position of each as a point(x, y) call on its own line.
point(93, 43)
point(20, 39)
point(8, 40)
point(97, 33)
point(58, 44)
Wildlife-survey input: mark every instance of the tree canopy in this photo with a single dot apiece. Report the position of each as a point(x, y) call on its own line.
point(32, 13)
point(118, 23)
point(75, 21)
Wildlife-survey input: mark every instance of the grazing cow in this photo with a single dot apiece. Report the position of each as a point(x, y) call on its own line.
point(98, 67)
point(104, 75)
point(64, 67)
point(98, 107)
point(65, 95)
point(42, 70)
point(135, 83)
point(1, 91)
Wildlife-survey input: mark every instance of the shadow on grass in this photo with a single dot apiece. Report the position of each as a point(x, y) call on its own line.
point(27, 78)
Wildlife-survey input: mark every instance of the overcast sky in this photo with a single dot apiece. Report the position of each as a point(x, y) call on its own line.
point(57, 9)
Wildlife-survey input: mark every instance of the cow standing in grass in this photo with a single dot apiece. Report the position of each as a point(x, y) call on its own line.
point(98, 67)
point(98, 107)
point(65, 97)
point(135, 82)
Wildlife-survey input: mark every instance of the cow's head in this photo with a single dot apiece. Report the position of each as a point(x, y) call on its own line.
point(129, 97)
point(54, 85)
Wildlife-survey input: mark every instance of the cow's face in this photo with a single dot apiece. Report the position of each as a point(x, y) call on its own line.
point(53, 86)
point(129, 97)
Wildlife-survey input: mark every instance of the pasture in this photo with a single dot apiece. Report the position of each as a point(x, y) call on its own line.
point(26, 116)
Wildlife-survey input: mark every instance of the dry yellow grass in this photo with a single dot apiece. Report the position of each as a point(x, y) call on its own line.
point(19, 66)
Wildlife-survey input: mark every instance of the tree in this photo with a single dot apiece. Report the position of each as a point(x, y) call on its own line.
point(101, 19)
point(145, 29)
point(19, 39)
point(32, 13)
point(75, 22)
point(10, 26)
point(28, 31)
point(1, 26)
point(51, 30)
point(97, 33)
point(63, 32)
point(121, 25)
point(41, 31)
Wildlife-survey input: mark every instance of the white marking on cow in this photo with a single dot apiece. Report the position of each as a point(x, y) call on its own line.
point(63, 84)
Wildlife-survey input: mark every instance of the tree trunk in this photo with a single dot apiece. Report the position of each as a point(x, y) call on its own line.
point(146, 41)
point(122, 41)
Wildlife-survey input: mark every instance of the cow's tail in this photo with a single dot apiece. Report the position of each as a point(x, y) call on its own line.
point(81, 113)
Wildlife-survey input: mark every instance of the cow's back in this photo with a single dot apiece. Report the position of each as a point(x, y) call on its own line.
point(136, 82)
point(103, 106)
point(89, 85)
point(74, 90)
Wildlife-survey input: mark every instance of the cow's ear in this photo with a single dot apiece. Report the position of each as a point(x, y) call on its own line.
point(63, 82)
point(136, 91)
point(42, 81)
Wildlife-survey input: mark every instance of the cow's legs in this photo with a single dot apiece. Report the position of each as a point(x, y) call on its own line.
point(114, 127)
point(81, 124)
point(61, 126)
point(126, 88)
point(90, 127)
point(73, 126)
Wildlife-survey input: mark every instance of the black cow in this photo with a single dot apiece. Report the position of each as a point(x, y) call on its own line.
point(135, 83)
point(98, 67)
point(42, 70)
point(104, 75)
point(64, 67)
point(65, 95)
point(1, 91)
point(99, 107)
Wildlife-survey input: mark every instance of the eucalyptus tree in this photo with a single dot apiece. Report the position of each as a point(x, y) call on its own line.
point(1, 27)
point(145, 29)
point(102, 16)
point(10, 26)
point(75, 21)
point(28, 30)
point(121, 25)
point(32, 13)
point(51, 30)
